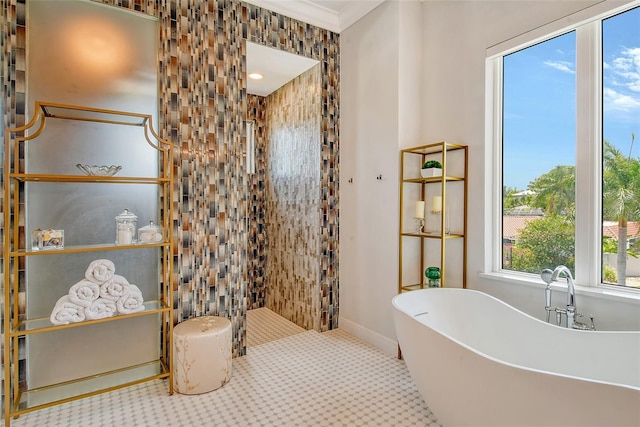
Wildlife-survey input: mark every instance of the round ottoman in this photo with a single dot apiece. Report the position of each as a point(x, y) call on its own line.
point(202, 354)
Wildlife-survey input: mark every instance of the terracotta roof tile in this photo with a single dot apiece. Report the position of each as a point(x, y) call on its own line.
point(610, 228)
point(513, 224)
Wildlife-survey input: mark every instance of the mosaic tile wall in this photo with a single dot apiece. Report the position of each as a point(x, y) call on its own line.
point(203, 103)
point(257, 252)
point(284, 33)
point(203, 106)
point(292, 200)
point(13, 85)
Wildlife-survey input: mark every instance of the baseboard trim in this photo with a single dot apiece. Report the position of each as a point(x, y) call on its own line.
point(381, 342)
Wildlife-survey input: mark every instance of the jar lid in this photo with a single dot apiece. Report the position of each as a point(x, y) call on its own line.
point(151, 227)
point(126, 215)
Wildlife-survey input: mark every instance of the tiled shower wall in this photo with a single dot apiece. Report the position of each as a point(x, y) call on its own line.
point(292, 200)
point(203, 101)
point(277, 31)
point(257, 257)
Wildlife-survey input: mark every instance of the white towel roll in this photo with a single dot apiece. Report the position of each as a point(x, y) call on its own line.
point(131, 301)
point(100, 309)
point(114, 288)
point(84, 293)
point(100, 270)
point(66, 312)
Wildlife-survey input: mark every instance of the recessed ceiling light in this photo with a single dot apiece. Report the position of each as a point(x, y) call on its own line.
point(256, 76)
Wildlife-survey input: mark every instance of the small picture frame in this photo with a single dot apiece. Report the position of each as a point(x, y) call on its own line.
point(51, 239)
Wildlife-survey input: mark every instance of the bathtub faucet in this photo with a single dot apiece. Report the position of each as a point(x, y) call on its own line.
point(571, 293)
point(570, 311)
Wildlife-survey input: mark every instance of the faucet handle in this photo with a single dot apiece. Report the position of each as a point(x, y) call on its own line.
point(593, 325)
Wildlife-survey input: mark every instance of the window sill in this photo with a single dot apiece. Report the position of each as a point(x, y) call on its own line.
point(609, 292)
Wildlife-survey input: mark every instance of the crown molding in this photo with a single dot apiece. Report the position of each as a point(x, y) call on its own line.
point(354, 10)
point(315, 13)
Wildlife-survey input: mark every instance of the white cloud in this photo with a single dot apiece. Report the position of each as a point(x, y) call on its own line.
point(625, 69)
point(616, 101)
point(563, 66)
point(622, 85)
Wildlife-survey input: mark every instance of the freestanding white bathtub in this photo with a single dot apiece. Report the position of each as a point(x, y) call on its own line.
point(477, 361)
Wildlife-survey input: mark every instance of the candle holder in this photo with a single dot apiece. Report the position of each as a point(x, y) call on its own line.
point(436, 209)
point(446, 221)
point(419, 216)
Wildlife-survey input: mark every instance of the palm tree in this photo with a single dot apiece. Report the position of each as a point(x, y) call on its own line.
point(555, 191)
point(621, 197)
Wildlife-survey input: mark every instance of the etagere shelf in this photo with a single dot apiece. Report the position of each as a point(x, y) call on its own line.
point(18, 397)
point(443, 230)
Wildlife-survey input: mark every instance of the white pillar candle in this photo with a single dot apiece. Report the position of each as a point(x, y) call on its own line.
point(437, 204)
point(419, 210)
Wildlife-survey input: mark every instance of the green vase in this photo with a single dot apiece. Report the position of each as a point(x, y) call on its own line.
point(433, 274)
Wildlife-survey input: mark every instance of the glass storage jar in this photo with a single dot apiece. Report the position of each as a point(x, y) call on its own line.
point(126, 226)
point(150, 233)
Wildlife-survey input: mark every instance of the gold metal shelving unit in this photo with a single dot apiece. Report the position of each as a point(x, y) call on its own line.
point(454, 160)
point(19, 399)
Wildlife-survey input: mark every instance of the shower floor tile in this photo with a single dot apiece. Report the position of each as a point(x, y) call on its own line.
point(303, 379)
point(263, 325)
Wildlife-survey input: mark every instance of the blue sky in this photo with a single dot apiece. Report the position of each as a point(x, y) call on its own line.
point(540, 106)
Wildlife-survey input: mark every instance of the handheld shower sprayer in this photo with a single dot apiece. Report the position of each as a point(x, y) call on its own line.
point(547, 277)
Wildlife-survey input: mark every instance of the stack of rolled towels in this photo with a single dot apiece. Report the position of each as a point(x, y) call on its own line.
point(101, 294)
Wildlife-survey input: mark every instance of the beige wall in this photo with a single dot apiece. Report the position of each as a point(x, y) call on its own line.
point(451, 39)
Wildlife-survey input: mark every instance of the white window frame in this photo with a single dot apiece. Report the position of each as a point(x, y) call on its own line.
point(587, 24)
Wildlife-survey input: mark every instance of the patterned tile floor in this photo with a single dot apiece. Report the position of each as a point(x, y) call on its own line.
point(263, 325)
point(290, 377)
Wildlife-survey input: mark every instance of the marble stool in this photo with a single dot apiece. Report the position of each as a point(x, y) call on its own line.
point(201, 354)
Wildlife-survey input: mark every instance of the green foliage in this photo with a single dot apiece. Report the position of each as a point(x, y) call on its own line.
point(609, 245)
point(509, 201)
point(545, 242)
point(550, 240)
point(621, 197)
point(432, 164)
point(610, 275)
point(555, 191)
point(523, 259)
point(621, 185)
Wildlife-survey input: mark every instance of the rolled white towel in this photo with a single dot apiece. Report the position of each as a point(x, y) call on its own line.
point(66, 312)
point(100, 309)
point(114, 288)
point(100, 270)
point(131, 301)
point(84, 293)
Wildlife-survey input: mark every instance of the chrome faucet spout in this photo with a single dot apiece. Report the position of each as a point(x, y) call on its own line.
point(571, 292)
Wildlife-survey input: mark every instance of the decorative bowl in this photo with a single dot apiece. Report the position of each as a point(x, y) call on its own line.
point(96, 170)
